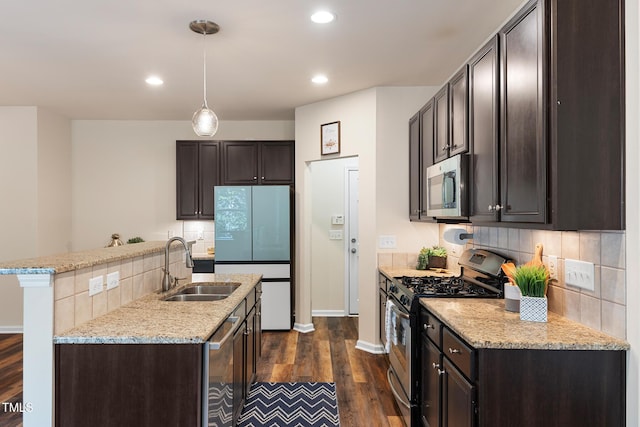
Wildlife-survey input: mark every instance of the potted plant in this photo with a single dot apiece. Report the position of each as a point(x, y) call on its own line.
point(423, 259)
point(437, 257)
point(532, 281)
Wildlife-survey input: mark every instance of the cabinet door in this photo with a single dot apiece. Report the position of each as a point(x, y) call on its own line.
point(483, 133)
point(414, 168)
point(187, 181)
point(523, 155)
point(209, 157)
point(426, 146)
point(430, 384)
point(238, 370)
point(276, 162)
point(239, 163)
point(441, 125)
point(458, 398)
point(458, 140)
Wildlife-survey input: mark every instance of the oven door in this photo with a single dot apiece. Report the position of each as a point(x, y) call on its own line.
point(399, 374)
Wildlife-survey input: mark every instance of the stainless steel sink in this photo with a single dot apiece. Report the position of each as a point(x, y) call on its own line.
point(195, 297)
point(211, 289)
point(205, 291)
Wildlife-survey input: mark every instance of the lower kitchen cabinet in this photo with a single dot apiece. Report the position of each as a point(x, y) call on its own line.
point(460, 385)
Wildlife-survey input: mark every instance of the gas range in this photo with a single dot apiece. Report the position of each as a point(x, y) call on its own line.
point(481, 277)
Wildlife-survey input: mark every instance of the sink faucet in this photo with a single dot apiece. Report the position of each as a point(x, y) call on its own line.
point(168, 281)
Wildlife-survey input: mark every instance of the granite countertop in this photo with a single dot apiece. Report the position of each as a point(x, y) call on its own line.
point(150, 320)
point(56, 264)
point(484, 323)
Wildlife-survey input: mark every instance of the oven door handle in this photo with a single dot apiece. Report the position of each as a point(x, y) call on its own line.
point(400, 313)
point(393, 390)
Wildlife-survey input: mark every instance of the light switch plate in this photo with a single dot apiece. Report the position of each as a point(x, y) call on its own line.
point(337, 219)
point(95, 285)
point(579, 273)
point(387, 242)
point(113, 280)
point(335, 234)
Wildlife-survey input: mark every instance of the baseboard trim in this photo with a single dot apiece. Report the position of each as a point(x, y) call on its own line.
point(370, 348)
point(304, 328)
point(11, 329)
point(328, 313)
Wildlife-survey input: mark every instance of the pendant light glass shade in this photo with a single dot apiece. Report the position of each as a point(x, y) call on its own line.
point(204, 121)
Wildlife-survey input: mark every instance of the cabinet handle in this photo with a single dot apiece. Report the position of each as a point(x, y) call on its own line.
point(491, 208)
point(437, 367)
point(263, 177)
point(255, 178)
point(426, 326)
point(498, 207)
point(454, 350)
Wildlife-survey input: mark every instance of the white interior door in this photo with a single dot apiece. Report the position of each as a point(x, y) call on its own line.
point(353, 243)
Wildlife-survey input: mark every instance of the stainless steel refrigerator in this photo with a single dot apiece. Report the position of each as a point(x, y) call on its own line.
point(253, 235)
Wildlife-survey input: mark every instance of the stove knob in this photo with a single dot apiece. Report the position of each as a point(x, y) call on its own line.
point(393, 289)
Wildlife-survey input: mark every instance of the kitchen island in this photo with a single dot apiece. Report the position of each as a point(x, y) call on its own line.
point(57, 299)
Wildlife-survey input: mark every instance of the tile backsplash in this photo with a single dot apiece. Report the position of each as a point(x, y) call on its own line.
point(603, 309)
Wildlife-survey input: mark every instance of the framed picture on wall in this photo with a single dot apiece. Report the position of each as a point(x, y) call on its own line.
point(330, 138)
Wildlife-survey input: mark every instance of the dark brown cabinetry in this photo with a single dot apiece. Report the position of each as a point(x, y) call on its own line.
point(257, 162)
point(484, 115)
point(197, 172)
point(421, 142)
point(458, 99)
point(523, 165)
point(441, 124)
point(461, 385)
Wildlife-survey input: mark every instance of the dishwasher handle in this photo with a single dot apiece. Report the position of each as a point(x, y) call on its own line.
point(216, 345)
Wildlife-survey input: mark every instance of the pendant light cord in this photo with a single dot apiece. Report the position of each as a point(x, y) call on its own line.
point(204, 66)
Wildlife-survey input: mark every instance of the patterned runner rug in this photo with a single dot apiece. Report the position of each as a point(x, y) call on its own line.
point(291, 404)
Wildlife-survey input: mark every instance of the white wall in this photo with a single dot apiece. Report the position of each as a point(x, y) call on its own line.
point(374, 127)
point(124, 175)
point(632, 45)
point(35, 185)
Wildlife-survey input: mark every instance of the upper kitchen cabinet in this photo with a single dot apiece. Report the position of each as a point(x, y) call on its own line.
point(484, 115)
point(523, 173)
point(441, 124)
point(562, 109)
point(421, 140)
point(458, 113)
point(197, 172)
point(257, 162)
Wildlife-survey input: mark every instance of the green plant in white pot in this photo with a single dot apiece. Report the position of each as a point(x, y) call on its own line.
point(532, 281)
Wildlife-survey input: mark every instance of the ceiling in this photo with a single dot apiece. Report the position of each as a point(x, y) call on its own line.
point(89, 59)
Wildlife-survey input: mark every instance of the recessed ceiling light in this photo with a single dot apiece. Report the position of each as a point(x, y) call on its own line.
point(154, 81)
point(320, 79)
point(323, 17)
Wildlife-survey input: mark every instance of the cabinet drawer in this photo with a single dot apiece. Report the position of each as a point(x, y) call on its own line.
point(459, 353)
point(431, 327)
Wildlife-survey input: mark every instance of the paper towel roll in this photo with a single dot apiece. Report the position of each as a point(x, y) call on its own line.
point(457, 236)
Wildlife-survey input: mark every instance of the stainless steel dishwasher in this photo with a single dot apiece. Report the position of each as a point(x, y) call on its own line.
point(218, 384)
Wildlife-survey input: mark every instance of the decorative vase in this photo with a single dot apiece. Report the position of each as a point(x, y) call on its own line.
point(437, 262)
point(533, 309)
point(512, 298)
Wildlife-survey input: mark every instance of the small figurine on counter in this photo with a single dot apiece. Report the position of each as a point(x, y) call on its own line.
point(115, 241)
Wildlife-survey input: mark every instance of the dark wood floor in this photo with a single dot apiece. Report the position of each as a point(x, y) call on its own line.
point(10, 378)
point(329, 355)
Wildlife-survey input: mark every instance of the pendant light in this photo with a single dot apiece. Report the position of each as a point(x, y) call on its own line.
point(204, 121)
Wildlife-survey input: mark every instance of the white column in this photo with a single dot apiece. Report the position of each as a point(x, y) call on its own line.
point(38, 368)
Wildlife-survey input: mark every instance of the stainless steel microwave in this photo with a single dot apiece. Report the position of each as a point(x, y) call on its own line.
point(447, 185)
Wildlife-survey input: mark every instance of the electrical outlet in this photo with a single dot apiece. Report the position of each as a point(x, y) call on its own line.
point(200, 234)
point(579, 273)
point(113, 280)
point(553, 267)
point(387, 242)
point(95, 286)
